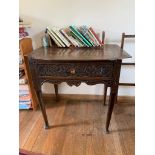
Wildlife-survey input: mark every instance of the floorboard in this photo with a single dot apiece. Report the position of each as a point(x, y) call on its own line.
point(78, 127)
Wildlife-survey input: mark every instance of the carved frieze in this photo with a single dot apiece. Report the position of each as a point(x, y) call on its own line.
point(75, 82)
point(75, 69)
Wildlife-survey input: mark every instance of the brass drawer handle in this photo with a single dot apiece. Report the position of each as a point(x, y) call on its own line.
point(72, 71)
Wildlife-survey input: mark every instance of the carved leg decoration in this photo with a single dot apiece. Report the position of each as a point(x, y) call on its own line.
point(56, 91)
point(113, 94)
point(105, 93)
point(43, 110)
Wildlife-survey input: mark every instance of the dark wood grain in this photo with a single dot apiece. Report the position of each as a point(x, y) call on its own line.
point(128, 63)
point(106, 52)
point(56, 91)
point(126, 84)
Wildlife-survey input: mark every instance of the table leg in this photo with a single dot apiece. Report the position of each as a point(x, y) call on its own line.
point(105, 93)
point(43, 110)
point(113, 95)
point(56, 91)
point(116, 98)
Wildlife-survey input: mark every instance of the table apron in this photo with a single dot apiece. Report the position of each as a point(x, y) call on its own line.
point(76, 70)
point(76, 81)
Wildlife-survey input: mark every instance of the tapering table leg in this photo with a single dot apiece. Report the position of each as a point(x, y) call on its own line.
point(105, 93)
point(56, 91)
point(43, 110)
point(113, 95)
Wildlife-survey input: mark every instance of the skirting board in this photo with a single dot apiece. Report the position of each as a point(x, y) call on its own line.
point(84, 96)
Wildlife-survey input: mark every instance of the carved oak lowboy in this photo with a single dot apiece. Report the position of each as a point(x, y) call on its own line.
point(76, 65)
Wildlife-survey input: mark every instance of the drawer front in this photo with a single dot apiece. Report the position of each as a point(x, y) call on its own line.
point(96, 69)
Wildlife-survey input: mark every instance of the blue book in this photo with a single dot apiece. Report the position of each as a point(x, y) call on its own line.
point(24, 106)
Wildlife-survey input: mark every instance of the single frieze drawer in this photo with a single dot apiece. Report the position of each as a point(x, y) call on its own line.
point(83, 69)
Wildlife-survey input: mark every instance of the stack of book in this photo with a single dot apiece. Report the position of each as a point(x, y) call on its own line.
point(21, 72)
point(24, 97)
point(23, 29)
point(22, 78)
point(24, 94)
point(22, 33)
point(82, 36)
point(24, 91)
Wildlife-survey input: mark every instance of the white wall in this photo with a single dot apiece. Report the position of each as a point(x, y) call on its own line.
point(113, 16)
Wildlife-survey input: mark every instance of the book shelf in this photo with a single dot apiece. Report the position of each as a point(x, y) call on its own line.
point(27, 95)
point(24, 24)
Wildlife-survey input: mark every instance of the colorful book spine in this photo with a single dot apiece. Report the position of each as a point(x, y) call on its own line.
point(79, 41)
point(72, 36)
point(91, 29)
point(93, 37)
point(23, 87)
point(23, 92)
point(25, 102)
point(80, 36)
point(76, 36)
point(74, 42)
point(84, 30)
point(21, 29)
point(25, 98)
point(23, 34)
point(69, 38)
point(24, 106)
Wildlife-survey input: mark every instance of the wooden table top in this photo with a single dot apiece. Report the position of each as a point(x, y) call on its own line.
point(106, 52)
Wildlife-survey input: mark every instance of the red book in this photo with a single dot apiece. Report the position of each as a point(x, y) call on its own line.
point(24, 98)
point(21, 30)
point(91, 29)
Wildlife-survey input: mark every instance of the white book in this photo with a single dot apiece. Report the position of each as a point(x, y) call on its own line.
point(53, 37)
point(74, 41)
point(70, 38)
point(57, 37)
point(56, 42)
point(77, 41)
point(64, 40)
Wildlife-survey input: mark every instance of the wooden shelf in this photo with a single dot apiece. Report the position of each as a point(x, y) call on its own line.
point(24, 24)
point(25, 48)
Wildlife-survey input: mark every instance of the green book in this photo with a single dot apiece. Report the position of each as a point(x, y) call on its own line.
point(80, 36)
point(80, 42)
point(84, 31)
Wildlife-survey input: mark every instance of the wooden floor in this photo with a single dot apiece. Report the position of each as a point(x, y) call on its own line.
point(78, 127)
